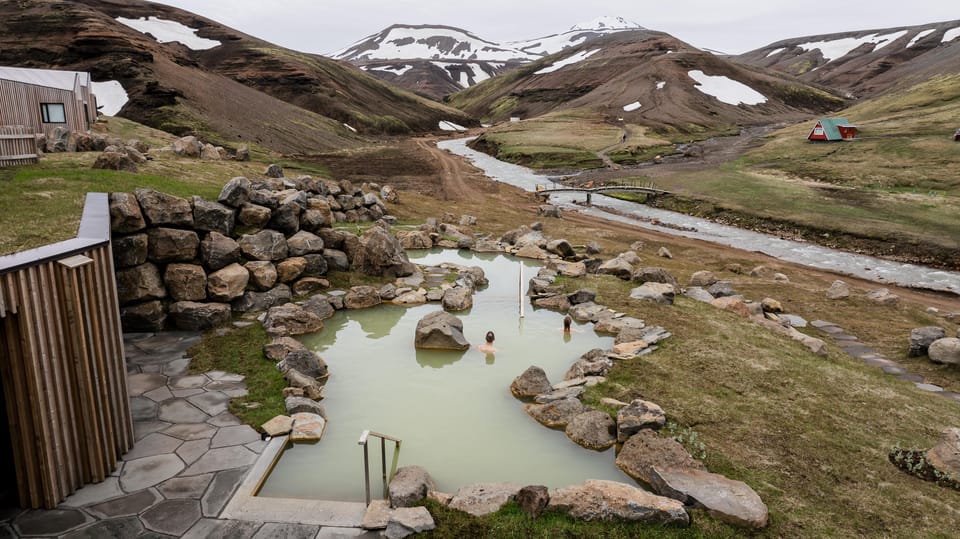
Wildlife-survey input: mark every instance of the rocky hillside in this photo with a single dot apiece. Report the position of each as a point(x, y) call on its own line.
point(187, 74)
point(645, 78)
point(437, 61)
point(868, 62)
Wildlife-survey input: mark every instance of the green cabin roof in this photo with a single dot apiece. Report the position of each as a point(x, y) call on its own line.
point(829, 126)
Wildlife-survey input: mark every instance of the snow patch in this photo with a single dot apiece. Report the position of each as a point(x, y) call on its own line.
point(774, 51)
point(431, 43)
point(579, 57)
point(607, 23)
point(398, 71)
point(632, 106)
point(838, 48)
point(450, 126)
point(166, 31)
point(661, 84)
point(350, 127)
point(950, 35)
point(726, 90)
point(920, 36)
point(465, 77)
point(111, 97)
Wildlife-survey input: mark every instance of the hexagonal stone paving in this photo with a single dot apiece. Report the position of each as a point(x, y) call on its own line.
point(130, 504)
point(287, 530)
point(172, 517)
point(189, 382)
point(94, 493)
point(193, 450)
point(185, 487)
point(220, 491)
point(151, 445)
point(224, 458)
point(118, 527)
point(211, 402)
point(191, 431)
point(148, 471)
point(181, 411)
point(237, 435)
point(49, 522)
point(142, 408)
point(138, 384)
point(234, 529)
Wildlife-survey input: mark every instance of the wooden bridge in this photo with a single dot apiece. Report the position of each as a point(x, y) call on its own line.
point(649, 191)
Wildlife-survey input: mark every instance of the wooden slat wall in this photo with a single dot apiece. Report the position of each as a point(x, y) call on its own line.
point(20, 105)
point(63, 370)
point(18, 146)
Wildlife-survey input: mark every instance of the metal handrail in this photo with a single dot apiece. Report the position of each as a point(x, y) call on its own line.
point(383, 459)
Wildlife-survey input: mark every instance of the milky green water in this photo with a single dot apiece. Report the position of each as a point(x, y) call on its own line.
point(453, 410)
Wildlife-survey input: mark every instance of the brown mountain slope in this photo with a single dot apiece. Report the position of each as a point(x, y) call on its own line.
point(281, 99)
point(865, 63)
point(654, 71)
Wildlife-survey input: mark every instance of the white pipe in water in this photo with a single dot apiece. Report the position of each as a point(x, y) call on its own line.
point(520, 290)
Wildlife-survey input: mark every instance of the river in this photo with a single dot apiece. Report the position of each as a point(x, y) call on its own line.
point(866, 267)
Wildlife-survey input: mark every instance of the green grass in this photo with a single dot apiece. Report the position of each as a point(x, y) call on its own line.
point(239, 351)
point(510, 522)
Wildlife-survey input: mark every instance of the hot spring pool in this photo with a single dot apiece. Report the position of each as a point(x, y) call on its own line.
point(453, 410)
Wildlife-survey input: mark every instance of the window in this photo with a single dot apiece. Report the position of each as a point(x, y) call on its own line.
point(53, 113)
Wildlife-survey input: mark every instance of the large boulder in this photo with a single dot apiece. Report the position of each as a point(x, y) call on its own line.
point(319, 305)
point(188, 146)
point(218, 251)
point(922, 338)
point(171, 245)
point(234, 192)
point(286, 218)
point(945, 456)
point(440, 330)
point(291, 269)
point(838, 290)
point(584, 295)
point(457, 299)
point(945, 351)
point(264, 245)
point(654, 275)
point(703, 278)
point(410, 486)
point(254, 215)
point(533, 500)
point(213, 217)
point(362, 297)
point(414, 239)
point(305, 362)
point(656, 292)
point(556, 414)
point(228, 283)
point(484, 498)
point(129, 251)
point(193, 316)
point(290, 319)
point(407, 521)
point(336, 260)
point(637, 416)
point(647, 449)
point(149, 316)
point(304, 243)
point(725, 499)
point(883, 296)
point(299, 405)
point(125, 214)
point(253, 301)
point(618, 267)
point(263, 274)
point(161, 209)
point(278, 348)
point(593, 429)
point(531, 383)
point(561, 248)
point(141, 283)
point(571, 269)
point(185, 282)
point(721, 289)
point(612, 501)
point(380, 254)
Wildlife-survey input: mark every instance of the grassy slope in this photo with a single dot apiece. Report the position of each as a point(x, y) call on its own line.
point(899, 179)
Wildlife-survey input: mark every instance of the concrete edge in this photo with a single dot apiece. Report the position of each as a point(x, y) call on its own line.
point(246, 505)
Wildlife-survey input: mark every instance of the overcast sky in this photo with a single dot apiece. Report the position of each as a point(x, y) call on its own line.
point(731, 26)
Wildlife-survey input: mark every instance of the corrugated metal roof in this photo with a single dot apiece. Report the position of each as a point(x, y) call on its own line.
point(63, 80)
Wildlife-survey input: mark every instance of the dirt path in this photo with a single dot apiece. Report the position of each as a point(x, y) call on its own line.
point(453, 173)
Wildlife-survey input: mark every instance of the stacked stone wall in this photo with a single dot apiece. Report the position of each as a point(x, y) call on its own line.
point(190, 263)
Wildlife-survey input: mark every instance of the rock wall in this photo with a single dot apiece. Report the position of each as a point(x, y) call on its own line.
point(189, 264)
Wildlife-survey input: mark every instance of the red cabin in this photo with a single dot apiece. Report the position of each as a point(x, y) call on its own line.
point(832, 129)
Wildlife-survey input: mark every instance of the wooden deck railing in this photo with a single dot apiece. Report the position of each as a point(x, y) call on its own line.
point(18, 146)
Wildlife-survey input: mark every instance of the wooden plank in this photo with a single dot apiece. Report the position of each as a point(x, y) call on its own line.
point(105, 411)
point(63, 379)
point(83, 399)
point(110, 313)
point(17, 412)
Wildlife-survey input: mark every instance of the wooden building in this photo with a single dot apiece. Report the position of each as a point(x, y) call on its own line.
point(45, 99)
point(832, 130)
point(63, 374)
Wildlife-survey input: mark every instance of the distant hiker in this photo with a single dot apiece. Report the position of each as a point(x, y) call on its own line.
point(487, 347)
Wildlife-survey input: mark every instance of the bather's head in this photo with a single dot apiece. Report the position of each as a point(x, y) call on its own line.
point(490, 337)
